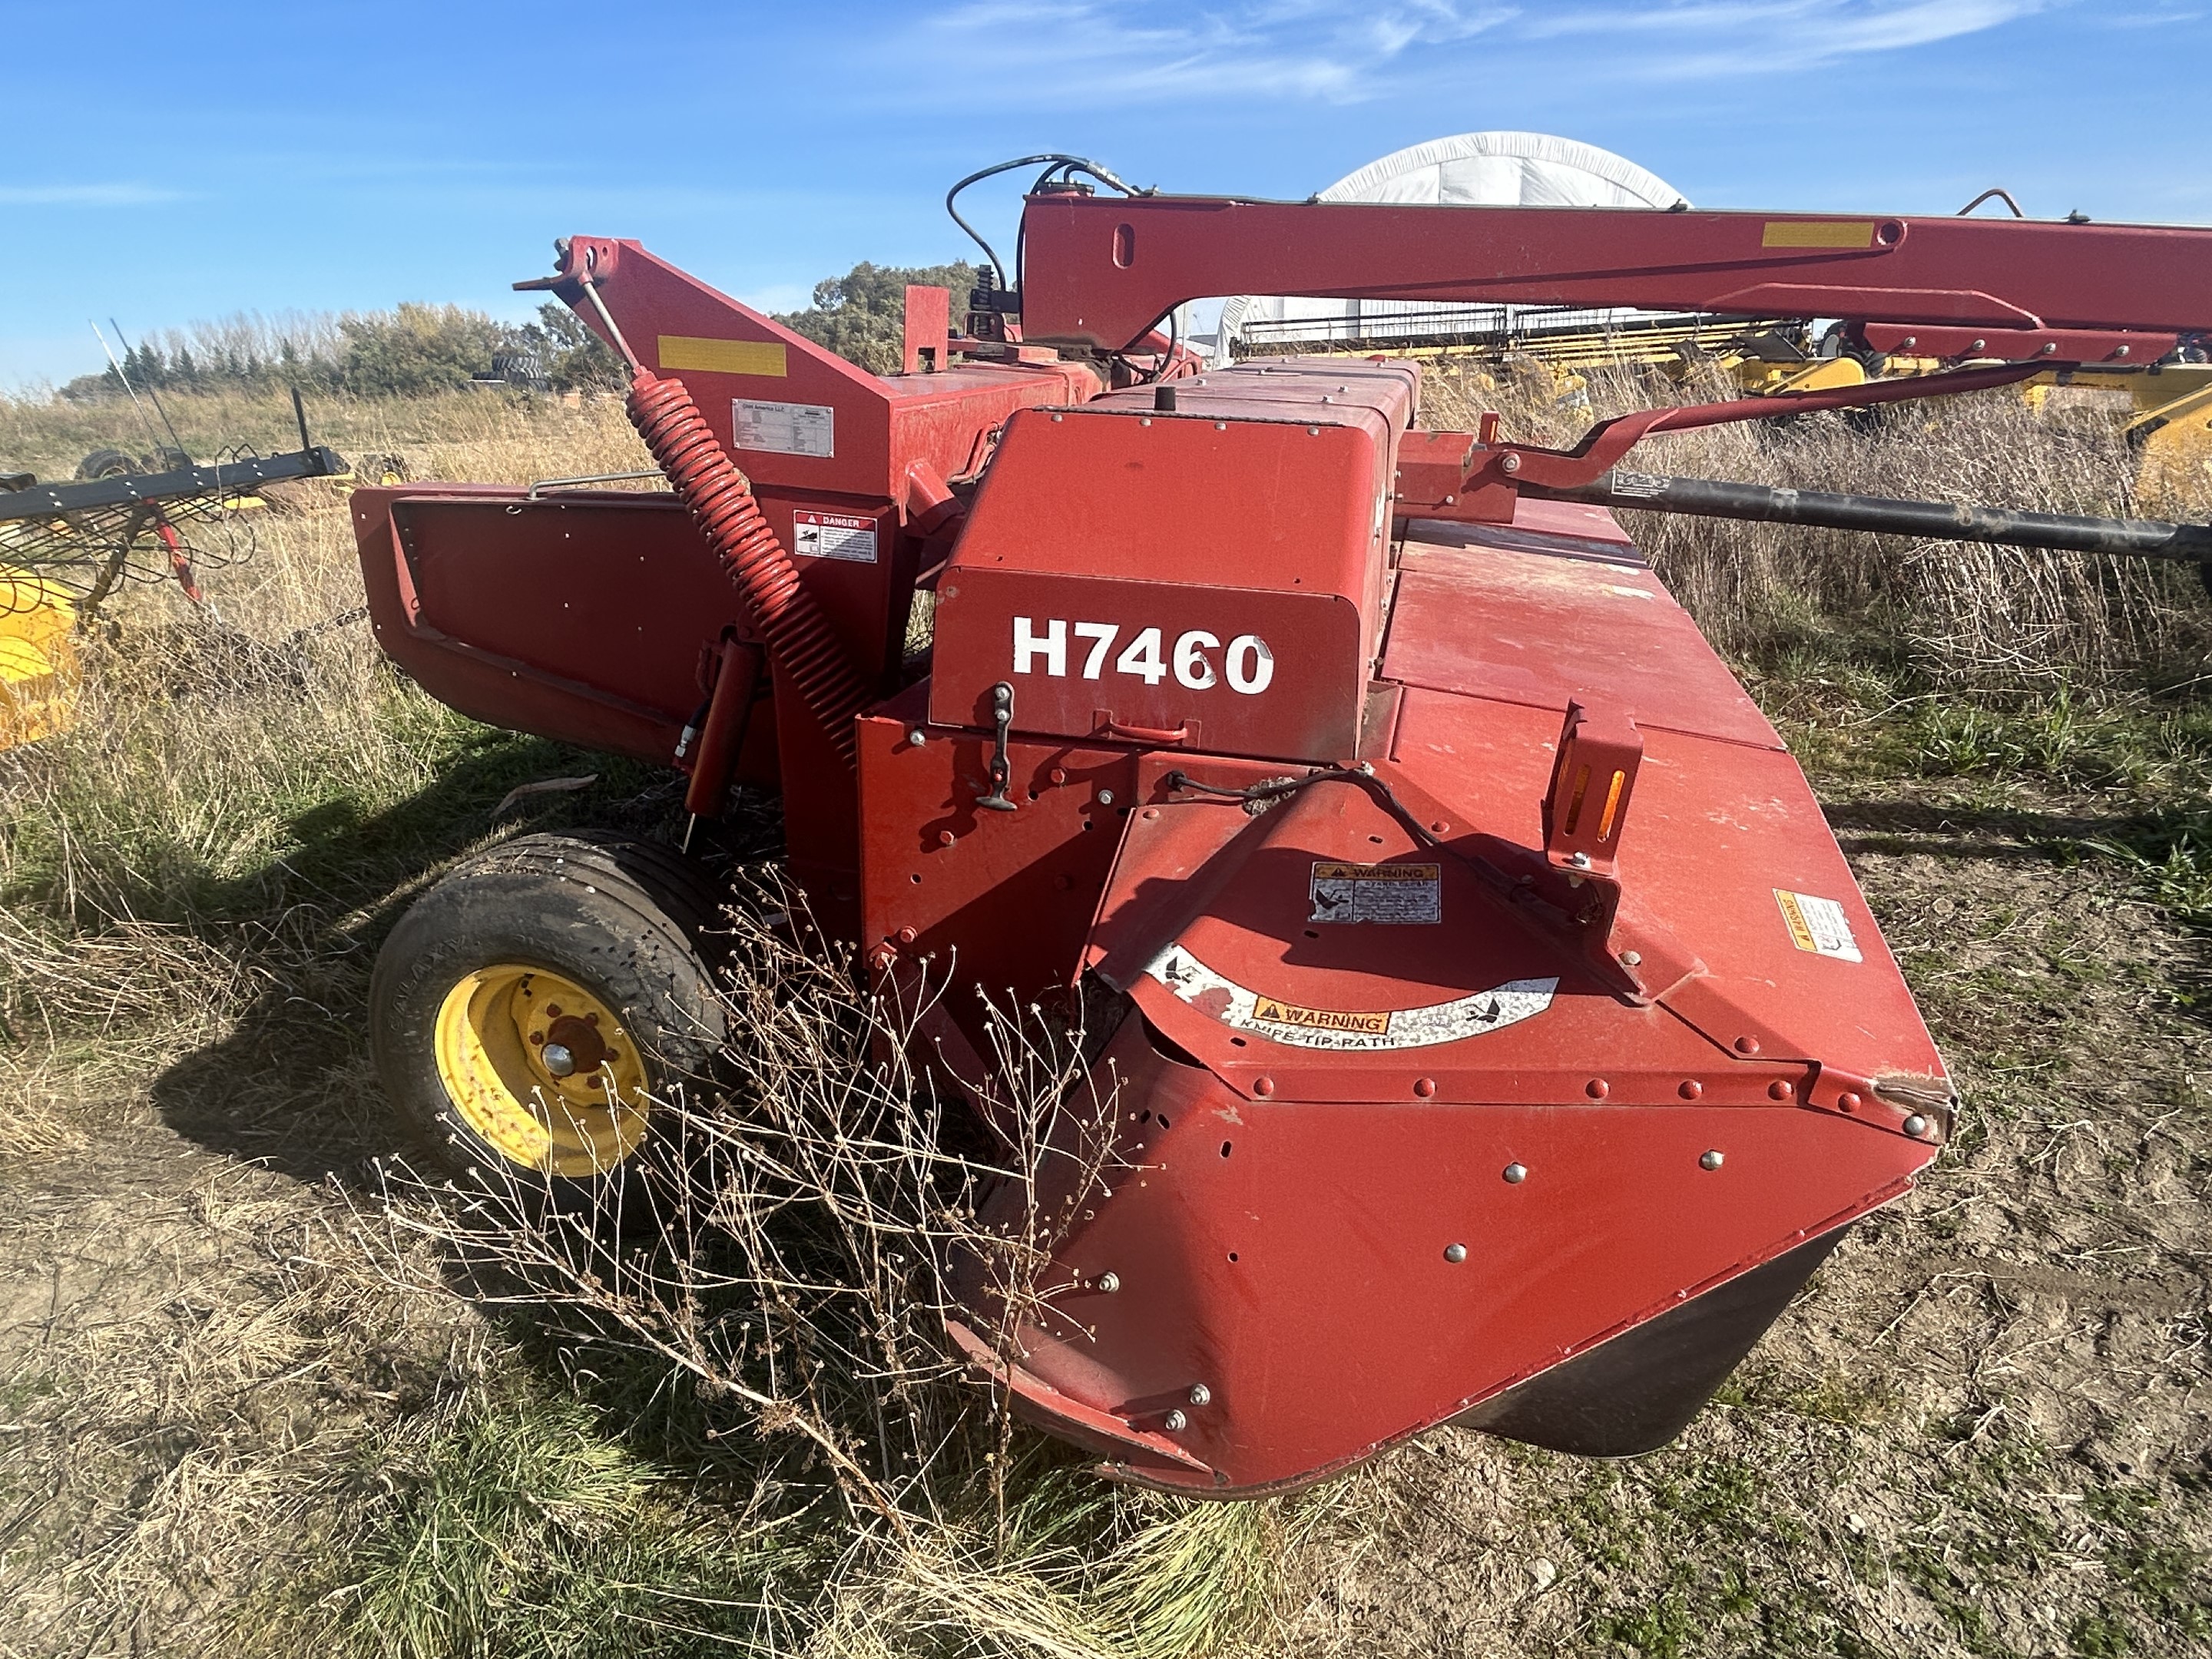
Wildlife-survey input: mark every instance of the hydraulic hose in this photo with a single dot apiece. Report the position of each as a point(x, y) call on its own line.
point(781, 609)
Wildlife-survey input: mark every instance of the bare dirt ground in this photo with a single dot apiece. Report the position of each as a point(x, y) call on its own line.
point(1984, 1430)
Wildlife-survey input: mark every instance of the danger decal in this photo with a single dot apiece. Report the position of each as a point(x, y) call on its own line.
point(833, 536)
point(1818, 925)
point(1215, 994)
point(1394, 895)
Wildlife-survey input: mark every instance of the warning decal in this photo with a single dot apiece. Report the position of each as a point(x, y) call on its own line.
point(1818, 925)
point(833, 536)
point(1268, 1012)
point(1396, 894)
point(1192, 981)
point(785, 428)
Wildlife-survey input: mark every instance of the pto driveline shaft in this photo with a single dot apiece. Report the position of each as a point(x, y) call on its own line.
point(1708, 498)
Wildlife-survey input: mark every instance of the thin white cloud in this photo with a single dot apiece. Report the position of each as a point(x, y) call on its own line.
point(85, 195)
point(1071, 50)
point(1083, 51)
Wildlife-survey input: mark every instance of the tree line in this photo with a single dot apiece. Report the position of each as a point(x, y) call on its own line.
point(416, 349)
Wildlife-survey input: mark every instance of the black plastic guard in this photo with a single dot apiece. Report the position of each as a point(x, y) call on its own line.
point(1637, 1392)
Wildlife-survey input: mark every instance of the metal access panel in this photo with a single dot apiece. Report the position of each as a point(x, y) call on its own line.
point(1183, 578)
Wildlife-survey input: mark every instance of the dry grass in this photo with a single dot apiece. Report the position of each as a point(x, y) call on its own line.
point(1973, 617)
point(489, 435)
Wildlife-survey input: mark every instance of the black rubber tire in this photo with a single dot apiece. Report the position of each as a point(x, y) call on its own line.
point(108, 464)
point(628, 920)
point(379, 470)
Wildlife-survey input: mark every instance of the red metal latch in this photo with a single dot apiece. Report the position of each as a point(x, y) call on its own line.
point(1593, 777)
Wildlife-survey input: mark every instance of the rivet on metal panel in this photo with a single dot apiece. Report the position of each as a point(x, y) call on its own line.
point(1580, 860)
point(1152, 812)
point(1713, 1160)
point(1691, 1089)
point(1263, 1086)
point(1105, 797)
point(1107, 1282)
point(1509, 462)
point(1746, 1045)
point(1313, 432)
point(1515, 1174)
point(945, 838)
point(1201, 1394)
point(1632, 958)
point(1174, 1422)
point(1848, 1101)
point(1440, 827)
point(1057, 774)
point(1779, 1090)
point(1915, 1126)
point(1455, 1254)
point(917, 737)
point(1597, 1088)
point(1425, 1086)
point(1221, 426)
point(1057, 418)
point(1143, 420)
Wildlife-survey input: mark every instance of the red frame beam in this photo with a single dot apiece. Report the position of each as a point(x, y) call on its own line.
point(1098, 271)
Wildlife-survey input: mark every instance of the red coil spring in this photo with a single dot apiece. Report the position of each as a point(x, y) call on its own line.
point(782, 612)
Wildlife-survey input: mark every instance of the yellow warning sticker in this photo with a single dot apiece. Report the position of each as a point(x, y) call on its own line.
point(1818, 233)
point(1818, 925)
point(1268, 1012)
point(723, 356)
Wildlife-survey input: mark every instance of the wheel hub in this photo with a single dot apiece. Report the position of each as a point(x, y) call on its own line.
point(542, 1070)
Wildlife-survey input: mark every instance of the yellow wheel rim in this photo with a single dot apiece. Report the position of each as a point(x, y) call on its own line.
point(542, 1070)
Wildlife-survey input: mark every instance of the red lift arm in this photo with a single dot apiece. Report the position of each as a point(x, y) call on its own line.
point(1098, 271)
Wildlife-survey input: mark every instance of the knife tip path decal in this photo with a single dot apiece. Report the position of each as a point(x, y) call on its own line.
point(1192, 982)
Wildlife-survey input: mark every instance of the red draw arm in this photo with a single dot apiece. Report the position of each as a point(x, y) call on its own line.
point(1098, 271)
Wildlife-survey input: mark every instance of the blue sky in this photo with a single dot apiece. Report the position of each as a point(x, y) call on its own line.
point(166, 163)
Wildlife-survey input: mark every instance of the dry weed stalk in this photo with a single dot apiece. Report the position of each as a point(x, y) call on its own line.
point(793, 1241)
